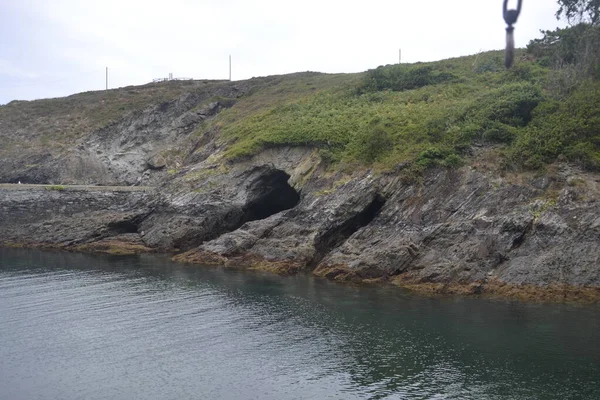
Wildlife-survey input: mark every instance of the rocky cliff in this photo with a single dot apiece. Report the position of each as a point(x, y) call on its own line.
point(474, 228)
point(465, 230)
point(461, 230)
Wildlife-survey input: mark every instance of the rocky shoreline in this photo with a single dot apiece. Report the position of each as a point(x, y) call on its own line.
point(465, 231)
point(474, 229)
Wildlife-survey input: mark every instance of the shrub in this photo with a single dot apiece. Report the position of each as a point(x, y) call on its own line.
point(488, 64)
point(55, 187)
point(376, 144)
point(453, 161)
point(570, 127)
point(404, 77)
point(511, 104)
point(577, 47)
point(586, 155)
point(495, 115)
point(373, 143)
point(498, 133)
point(430, 157)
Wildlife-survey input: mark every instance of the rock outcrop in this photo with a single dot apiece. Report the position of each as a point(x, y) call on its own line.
point(127, 151)
point(74, 218)
point(465, 230)
point(456, 231)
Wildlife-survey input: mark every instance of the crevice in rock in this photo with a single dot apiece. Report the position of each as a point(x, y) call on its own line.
point(269, 194)
point(334, 237)
point(520, 238)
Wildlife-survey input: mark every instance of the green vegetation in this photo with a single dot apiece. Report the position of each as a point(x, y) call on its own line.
point(405, 77)
point(424, 115)
point(55, 123)
point(427, 113)
point(432, 114)
point(56, 187)
point(580, 10)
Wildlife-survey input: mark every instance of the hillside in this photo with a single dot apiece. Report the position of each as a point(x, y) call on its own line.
point(453, 176)
point(427, 114)
point(430, 114)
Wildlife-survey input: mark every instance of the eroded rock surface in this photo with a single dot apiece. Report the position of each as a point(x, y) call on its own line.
point(59, 217)
point(127, 151)
point(455, 229)
point(467, 230)
point(283, 212)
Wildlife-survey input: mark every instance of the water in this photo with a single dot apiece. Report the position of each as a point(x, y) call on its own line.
point(78, 326)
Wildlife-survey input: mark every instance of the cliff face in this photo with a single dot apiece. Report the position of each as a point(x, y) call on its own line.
point(464, 230)
point(73, 218)
point(91, 138)
point(473, 229)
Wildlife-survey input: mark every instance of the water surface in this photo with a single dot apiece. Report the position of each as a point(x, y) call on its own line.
point(76, 326)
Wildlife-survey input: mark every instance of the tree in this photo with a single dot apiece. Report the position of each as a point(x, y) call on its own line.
point(573, 51)
point(577, 11)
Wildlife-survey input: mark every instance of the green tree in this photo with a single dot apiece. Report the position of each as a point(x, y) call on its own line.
point(574, 52)
point(577, 11)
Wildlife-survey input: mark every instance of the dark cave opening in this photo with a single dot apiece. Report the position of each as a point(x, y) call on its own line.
point(269, 194)
point(337, 235)
point(124, 226)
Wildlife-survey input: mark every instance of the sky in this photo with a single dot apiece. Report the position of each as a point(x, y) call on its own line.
point(60, 47)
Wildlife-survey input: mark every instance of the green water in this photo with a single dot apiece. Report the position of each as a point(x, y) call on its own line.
point(78, 326)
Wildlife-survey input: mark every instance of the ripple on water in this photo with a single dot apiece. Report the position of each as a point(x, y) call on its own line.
point(75, 326)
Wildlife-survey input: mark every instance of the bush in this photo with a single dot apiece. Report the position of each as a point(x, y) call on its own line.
point(498, 133)
point(488, 64)
point(373, 143)
point(511, 104)
point(577, 47)
point(586, 155)
point(570, 127)
point(453, 161)
point(404, 77)
point(495, 115)
point(56, 187)
point(436, 157)
point(430, 157)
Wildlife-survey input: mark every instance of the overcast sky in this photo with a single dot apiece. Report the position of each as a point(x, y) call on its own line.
point(60, 47)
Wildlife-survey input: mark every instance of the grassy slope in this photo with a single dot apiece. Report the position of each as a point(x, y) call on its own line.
point(55, 123)
point(428, 114)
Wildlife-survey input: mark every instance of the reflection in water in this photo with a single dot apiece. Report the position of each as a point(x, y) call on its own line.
point(98, 327)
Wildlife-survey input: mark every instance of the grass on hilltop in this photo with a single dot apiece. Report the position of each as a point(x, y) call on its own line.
point(424, 114)
point(430, 114)
point(56, 123)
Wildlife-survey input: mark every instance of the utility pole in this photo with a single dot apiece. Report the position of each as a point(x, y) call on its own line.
point(106, 78)
point(230, 67)
point(399, 56)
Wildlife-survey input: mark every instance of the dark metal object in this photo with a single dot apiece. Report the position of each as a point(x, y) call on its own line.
point(510, 17)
